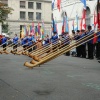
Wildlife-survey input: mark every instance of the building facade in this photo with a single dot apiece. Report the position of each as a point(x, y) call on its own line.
point(73, 7)
point(27, 11)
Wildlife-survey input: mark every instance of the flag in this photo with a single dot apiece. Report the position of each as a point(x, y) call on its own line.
point(25, 30)
point(54, 26)
point(28, 30)
point(36, 30)
point(32, 29)
point(76, 23)
point(53, 2)
point(73, 25)
point(98, 14)
point(58, 4)
point(42, 30)
point(39, 32)
point(22, 33)
point(84, 2)
point(66, 23)
point(63, 25)
point(95, 21)
point(83, 21)
point(95, 38)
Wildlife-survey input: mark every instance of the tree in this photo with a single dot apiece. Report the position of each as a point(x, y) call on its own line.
point(4, 11)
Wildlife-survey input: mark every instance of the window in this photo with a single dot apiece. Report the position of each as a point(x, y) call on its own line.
point(22, 15)
point(30, 15)
point(30, 5)
point(38, 16)
point(38, 5)
point(22, 4)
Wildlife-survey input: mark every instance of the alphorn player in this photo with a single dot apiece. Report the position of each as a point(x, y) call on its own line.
point(54, 40)
point(4, 42)
point(66, 41)
point(90, 43)
point(77, 37)
point(30, 43)
point(34, 42)
point(15, 42)
point(39, 42)
point(98, 46)
point(24, 42)
point(83, 46)
point(46, 40)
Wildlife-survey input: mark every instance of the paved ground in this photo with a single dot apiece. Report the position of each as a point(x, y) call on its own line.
point(65, 78)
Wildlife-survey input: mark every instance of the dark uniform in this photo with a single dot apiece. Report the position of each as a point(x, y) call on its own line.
point(83, 47)
point(77, 37)
point(66, 42)
point(90, 44)
point(98, 46)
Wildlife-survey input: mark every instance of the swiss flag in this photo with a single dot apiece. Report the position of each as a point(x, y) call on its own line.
point(58, 4)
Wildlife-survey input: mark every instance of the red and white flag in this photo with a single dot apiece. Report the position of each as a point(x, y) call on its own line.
point(58, 4)
point(95, 21)
point(83, 21)
point(98, 21)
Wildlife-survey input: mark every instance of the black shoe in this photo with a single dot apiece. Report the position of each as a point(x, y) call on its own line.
point(91, 58)
point(87, 58)
point(99, 61)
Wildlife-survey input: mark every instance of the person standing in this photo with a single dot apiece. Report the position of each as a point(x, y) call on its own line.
point(30, 43)
point(90, 43)
point(54, 41)
point(98, 46)
point(77, 37)
point(4, 42)
point(15, 42)
point(83, 45)
point(24, 42)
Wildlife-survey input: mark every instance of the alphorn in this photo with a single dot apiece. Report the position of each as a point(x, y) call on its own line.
point(62, 50)
point(37, 54)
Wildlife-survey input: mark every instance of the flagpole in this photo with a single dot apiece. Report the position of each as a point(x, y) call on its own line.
point(98, 13)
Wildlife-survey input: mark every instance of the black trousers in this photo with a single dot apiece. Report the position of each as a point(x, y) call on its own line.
point(4, 46)
point(90, 51)
point(15, 47)
point(98, 50)
point(83, 51)
point(78, 51)
point(34, 45)
point(30, 49)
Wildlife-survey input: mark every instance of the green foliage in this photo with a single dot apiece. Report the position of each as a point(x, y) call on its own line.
point(5, 28)
point(4, 11)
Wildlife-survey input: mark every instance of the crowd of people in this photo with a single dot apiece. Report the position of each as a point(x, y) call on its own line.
point(88, 50)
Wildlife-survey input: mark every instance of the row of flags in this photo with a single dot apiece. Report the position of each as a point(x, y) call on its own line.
point(58, 4)
point(75, 23)
point(33, 30)
point(65, 24)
